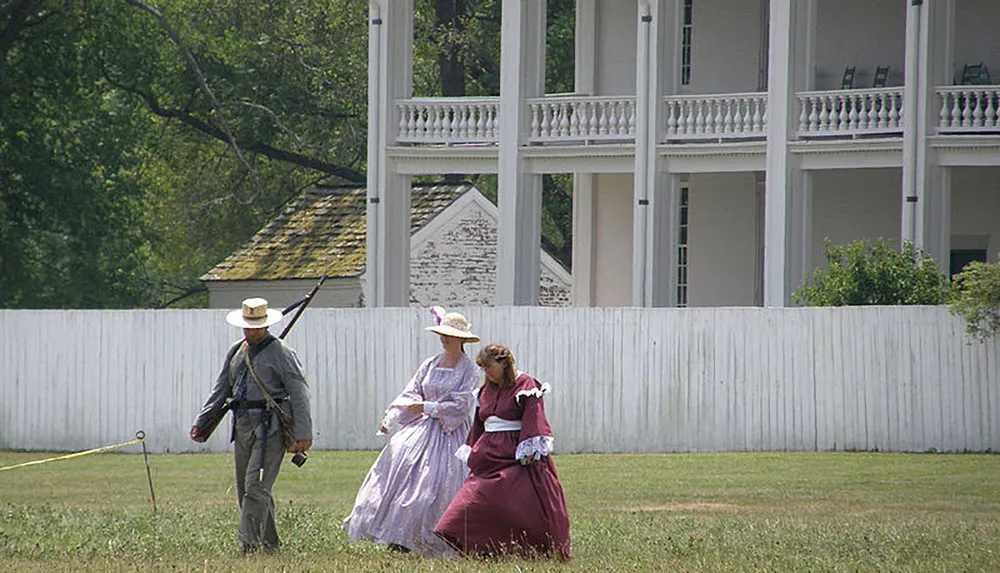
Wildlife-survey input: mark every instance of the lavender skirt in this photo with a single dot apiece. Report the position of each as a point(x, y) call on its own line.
point(408, 488)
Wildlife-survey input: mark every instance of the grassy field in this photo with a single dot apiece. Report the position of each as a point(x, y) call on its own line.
point(698, 512)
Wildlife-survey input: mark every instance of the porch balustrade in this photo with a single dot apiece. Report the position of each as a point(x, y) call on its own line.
point(575, 119)
point(448, 120)
point(851, 113)
point(969, 109)
point(716, 117)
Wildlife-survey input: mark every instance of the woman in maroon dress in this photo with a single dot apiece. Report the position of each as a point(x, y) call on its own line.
point(512, 501)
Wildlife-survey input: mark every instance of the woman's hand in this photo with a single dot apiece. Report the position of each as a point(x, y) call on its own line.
point(415, 408)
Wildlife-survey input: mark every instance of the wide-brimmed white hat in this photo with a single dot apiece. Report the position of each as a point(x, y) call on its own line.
point(452, 324)
point(253, 314)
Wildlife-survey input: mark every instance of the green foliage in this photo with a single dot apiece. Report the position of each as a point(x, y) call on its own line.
point(72, 230)
point(123, 177)
point(863, 273)
point(977, 299)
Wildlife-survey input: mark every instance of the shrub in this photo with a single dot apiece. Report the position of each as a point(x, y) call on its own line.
point(977, 299)
point(863, 273)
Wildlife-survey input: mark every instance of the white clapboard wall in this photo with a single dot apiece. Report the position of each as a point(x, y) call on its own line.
point(623, 380)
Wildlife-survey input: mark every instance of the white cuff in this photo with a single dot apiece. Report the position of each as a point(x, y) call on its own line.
point(463, 452)
point(534, 448)
point(391, 420)
point(431, 408)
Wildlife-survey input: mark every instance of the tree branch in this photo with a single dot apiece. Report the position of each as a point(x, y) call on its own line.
point(190, 292)
point(200, 77)
point(299, 144)
point(339, 171)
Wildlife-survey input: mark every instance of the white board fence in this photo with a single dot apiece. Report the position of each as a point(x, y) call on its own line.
point(624, 380)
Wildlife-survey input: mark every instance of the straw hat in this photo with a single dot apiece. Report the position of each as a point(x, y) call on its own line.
point(254, 314)
point(452, 324)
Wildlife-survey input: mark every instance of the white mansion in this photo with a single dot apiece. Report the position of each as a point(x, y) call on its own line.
point(715, 144)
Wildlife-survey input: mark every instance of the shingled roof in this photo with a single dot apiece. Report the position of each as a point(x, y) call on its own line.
point(322, 231)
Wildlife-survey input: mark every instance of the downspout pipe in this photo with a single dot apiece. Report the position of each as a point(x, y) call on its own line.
point(374, 172)
point(642, 151)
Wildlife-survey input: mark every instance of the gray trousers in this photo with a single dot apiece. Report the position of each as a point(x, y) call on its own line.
point(257, 529)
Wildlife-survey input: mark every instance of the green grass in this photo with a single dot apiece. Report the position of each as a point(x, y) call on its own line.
point(697, 512)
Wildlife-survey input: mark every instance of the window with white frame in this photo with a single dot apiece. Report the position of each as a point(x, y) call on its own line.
point(682, 251)
point(686, 44)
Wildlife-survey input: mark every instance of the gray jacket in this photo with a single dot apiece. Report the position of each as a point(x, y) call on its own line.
point(280, 371)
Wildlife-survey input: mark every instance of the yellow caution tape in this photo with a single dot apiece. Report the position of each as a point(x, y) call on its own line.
point(139, 438)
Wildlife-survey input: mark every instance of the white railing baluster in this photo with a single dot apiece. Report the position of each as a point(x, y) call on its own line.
point(977, 113)
point(956, 111)
point(616, 119)
point(421, 124)
point(716, 117)
point(447, 120)
point(404, 120)
point(968, 110)
point(717, 120)
point(690, 115)
point(671, 118)
point(850, 113)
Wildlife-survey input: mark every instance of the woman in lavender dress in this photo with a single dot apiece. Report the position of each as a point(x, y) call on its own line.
point(417, 475)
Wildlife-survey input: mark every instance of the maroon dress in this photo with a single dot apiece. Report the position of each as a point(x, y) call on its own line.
point(504, 506)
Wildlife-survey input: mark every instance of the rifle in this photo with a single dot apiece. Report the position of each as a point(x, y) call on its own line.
point(212, 423)
point(301, 305)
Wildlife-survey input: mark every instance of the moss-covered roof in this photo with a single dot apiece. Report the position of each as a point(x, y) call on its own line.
point(322, 231)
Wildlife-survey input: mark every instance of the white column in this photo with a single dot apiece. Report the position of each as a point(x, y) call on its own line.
point(791, 38)
point(584, 247)
point(585, 67)
point(664, 238)
point(932, 223)
point(522, 76)
point(799, 229)
point(640, 200)
point(584, 196)
point(911, 122)
point(656, 194)
point(390, 77)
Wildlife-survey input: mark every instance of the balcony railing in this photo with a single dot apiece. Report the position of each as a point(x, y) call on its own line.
point(582, 119)
point(448, 120)
point(851, 113)
point(721, 117)
point(969, 109)
point(716, 117)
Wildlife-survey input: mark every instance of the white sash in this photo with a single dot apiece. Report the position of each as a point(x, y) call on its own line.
point(495, 424)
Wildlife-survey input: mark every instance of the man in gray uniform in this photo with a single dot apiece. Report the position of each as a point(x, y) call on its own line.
point(259, 444)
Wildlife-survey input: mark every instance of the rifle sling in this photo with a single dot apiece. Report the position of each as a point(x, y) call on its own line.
point(253, 376)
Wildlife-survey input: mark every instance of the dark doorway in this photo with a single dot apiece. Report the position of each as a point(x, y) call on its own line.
point(962, 257)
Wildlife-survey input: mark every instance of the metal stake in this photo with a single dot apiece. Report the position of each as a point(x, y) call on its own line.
point(140, 435)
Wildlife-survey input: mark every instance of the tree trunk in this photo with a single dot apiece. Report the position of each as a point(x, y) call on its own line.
point(450, 30)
